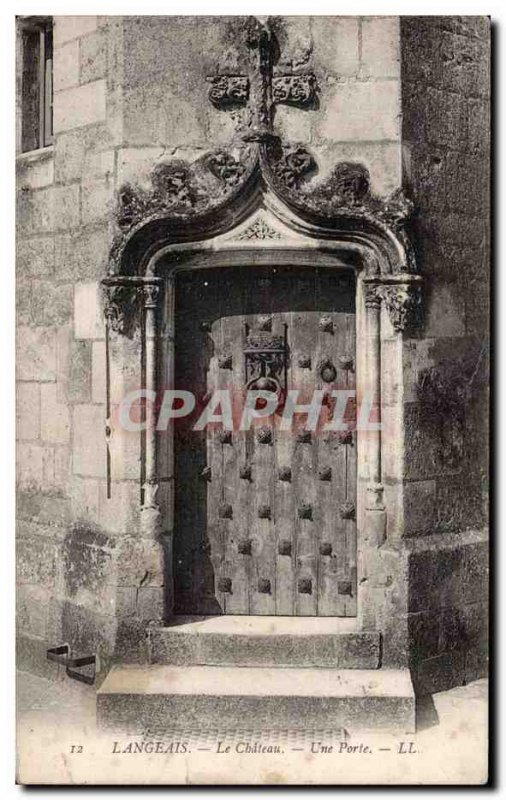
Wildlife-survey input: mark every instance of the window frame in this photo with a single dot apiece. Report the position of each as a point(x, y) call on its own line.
point(42, 125)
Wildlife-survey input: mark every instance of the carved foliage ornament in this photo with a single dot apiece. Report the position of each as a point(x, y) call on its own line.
point(228, 90)
point(259, 230)
point(120, 308)
point(182, 192)
point(122, 302)
point(403, 304)
point(402, 301)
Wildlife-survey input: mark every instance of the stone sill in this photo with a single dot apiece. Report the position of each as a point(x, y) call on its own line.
point(34, 156)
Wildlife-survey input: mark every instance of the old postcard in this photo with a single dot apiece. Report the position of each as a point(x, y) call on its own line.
point(252, 382)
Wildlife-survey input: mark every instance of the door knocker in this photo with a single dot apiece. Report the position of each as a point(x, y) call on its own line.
point(266, 363)
point(327, 370)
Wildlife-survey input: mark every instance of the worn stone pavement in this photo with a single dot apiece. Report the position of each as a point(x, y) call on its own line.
point(58, 743)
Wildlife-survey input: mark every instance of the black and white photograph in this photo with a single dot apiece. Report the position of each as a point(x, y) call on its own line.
point(252, 398)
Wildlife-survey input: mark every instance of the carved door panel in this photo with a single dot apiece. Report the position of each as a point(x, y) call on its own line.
point(265, 519)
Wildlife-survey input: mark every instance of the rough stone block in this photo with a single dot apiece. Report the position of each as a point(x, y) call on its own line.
point(126, 599)
point(336, 45)
point(478, 125)
point(32, 610)
point(474, 26)
point(89, 632)
point(35, 256)
point(35, 212)
point(36, 561)
point(83, 153)
point(427, 169)
point(35, 467)
point(296, 35)
point(74, 365)
point(150, 603)
point(139, 562)
point(439, 673)
point(135, 163)
point(82, 105)
point(23, 302)
point(356, 111)
point(98, 372)
point(445, 314)
point(55, 419)
point(51, 304)
point(28, 410)
point(84, 493)
point(424, 456)
point(417, 358)
point(70, 27)
point(88, 313)
point(125, 450)
point(119, 513)
point(66, 66)
point(154, 115)
point(263, 642)
point(92, 57)
point(62, 468)
point(31, 657)
point(434, 576)
point(89, 441)
point(46, 510)
point(467, 183)
point(140, 698)
point(445, 117)
point(66, 203)
point(465, 64)
point(419, 507)
point(383, 160)
point(380, 53)
point(34, 173)
point(423, 631)
point(88, 569)
point(459, 503)
point(82, 254)
point(36, 354)
point(97, 199)
point(449, 572)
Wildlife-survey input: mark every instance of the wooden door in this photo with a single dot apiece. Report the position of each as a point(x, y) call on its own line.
point(264, 518)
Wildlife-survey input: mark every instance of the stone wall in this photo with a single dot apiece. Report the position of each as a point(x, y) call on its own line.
point(131, 92)
point(69, 544)
point(445, 112)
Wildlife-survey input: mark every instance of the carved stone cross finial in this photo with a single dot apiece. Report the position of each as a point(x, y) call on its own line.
point(261, 89)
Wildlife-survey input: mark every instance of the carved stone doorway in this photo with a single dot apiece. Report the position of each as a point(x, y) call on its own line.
point(264, 516)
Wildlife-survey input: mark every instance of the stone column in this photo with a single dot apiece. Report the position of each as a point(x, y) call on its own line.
point(150, 292)
point(374, 508)
point(167, 535)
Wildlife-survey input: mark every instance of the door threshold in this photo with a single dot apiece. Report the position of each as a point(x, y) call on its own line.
point(265, 625)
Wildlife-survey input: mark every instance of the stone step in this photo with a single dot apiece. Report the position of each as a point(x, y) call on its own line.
point(137, 698)
point(265, 642)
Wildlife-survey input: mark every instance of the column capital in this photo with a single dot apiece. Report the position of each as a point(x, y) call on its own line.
point(122, 296)
point(400, 294)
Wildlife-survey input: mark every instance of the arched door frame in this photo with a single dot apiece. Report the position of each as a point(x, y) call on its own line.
point(265, 230)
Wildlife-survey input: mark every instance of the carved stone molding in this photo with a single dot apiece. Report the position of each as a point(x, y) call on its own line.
point(259, 230)
point(402, 300)
point(295, 90)
point(120, 308)
point(403, 303)
point(228, 91)
point(203, 199)
point(372, 296)
point(291, 164)
point(123, 297)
